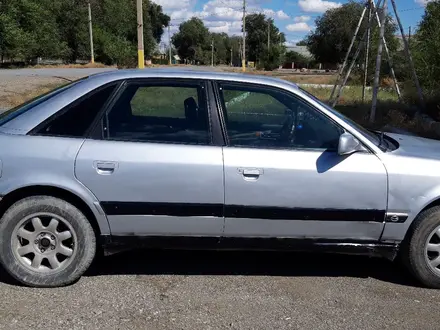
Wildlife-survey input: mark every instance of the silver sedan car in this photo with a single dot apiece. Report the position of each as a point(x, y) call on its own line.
point(185, 159)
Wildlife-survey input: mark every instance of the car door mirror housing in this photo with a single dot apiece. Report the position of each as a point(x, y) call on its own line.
point(348, 144)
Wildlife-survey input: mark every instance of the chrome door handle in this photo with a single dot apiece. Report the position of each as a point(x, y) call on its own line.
point(105, 167)
point(250, 173)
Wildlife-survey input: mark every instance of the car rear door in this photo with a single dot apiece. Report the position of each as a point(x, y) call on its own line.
point(284, 177)
point(152, 163)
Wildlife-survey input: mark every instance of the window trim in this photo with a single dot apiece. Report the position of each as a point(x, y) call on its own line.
point(100, 131)
point(218, 130)
point(36, 131)
point(222, 109)
point(15, 112)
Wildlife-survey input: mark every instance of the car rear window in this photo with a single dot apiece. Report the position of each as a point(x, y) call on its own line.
point(22, 108)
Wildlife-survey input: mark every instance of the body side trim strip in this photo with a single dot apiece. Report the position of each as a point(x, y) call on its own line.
point(242, 211)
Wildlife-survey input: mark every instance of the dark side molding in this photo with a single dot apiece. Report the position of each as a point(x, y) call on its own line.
point(115, 244)
point(241, 211)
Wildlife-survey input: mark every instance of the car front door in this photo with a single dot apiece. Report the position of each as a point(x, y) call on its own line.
point(152, 164)
point(284, 177)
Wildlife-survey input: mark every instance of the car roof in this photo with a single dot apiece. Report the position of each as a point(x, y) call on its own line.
point(188, 73)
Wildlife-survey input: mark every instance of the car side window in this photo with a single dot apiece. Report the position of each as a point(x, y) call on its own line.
point(75, 119)
point(257, 116)
point(160, 112)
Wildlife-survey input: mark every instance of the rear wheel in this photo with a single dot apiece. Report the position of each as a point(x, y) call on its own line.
point(421, 252)
point(46, 242)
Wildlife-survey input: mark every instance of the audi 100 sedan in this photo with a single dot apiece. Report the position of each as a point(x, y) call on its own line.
point(185, 159)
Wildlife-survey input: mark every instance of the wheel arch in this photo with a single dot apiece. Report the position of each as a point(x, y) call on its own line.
point(99, 226)
point(433, 203)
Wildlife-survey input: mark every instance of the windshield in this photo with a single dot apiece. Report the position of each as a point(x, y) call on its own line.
point(22, 108)
point(365, 132)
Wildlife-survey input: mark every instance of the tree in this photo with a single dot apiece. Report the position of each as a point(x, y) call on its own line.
point(158, 20)
point(28, 29)
point(257, 41)
point(72, 23)
point(59, 29)
point(193, 41)
point(115, 23)
point(298, 59)
point(330, 40)
point(425, 47)
point(302, 43)
point(222, 48)
point(13, 37)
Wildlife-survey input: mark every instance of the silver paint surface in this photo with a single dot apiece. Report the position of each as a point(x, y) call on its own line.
point(402, 181)
point(149, 172)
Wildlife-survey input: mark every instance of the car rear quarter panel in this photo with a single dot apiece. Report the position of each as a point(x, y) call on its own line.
point(414, 183)
point(44, 161)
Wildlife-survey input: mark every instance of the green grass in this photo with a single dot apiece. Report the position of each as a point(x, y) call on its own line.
point(161, 101)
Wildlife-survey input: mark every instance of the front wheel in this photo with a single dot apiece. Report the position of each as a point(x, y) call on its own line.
point(421, 251)
point(46, 242)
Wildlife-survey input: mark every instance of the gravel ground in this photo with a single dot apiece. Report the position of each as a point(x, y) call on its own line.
point(226, 290)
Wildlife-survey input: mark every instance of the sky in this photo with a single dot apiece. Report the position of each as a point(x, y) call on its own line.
point(293, 17)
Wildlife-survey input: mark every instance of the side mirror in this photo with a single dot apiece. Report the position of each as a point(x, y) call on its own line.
point(348, 144)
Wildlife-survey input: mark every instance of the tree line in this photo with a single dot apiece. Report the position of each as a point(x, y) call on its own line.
point(59, 29)
point(264, 43)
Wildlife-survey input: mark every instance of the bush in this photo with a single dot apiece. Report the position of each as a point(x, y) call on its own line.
point(270, 60)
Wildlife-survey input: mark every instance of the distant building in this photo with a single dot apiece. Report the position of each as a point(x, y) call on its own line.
point(400, 39)
point(300, 50)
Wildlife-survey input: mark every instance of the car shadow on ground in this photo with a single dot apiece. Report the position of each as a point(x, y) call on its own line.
point(255, 263)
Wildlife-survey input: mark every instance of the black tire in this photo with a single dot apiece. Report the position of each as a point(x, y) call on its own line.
point(413, 248)
point(85, 247)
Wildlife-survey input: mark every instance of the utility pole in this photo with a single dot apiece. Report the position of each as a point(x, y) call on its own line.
point(140, 35)
point(243, 58)
point(367, 51)
point(231, 57)
point(169, 42)
point(268, 34)
point(409, 35)
point(378, 62)
point(92, 55)
point(212, 52)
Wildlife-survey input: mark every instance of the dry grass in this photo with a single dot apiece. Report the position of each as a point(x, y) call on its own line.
point(15, 99)
point(95, 65)
point(351, 94)
point(299, 78)
point(311, 79)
